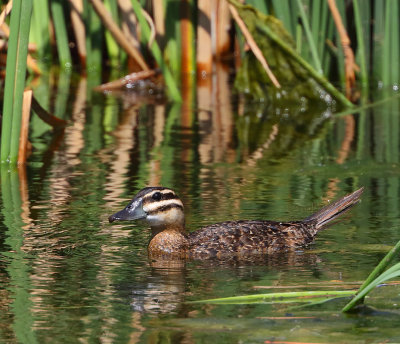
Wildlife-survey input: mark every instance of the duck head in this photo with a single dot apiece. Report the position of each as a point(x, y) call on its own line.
point(160, 207)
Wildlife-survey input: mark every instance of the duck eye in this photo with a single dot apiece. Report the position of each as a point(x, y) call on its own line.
point(156, 196)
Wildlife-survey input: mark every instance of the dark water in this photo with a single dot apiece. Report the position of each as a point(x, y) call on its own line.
point(68, 276)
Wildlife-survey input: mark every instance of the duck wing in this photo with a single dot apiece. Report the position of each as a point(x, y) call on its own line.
point(248, 237)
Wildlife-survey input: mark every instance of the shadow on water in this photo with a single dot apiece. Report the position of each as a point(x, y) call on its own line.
point(68, 276)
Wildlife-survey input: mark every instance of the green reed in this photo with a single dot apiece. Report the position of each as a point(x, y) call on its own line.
point(172, 40)
point(378, 276)
point(112, 46)
point(362, 54)
point(64, 55)
point(284, 297)
point(310, 37)
point(316, 75)
point(15, 79)
point(94, 38)
point(40, 28)
point(376, 43)
point(155, 49)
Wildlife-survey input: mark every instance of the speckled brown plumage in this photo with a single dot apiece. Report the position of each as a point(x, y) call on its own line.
point(249, 237)
point(163, 210)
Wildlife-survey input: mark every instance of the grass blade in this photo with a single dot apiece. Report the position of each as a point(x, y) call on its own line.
point(301, 296)
point(393, 272)
point(94, 39)
point(40, 28)
point(310, 40)
point(361, 45)
point(172, 38)
point(395, 42)
point(155, 49)
point(102, 12)
point(15, 79)
point(375, 277)
point(386, 47)
point(317, 76)
point(64, 55)
point(11, 67)
point(282, 11)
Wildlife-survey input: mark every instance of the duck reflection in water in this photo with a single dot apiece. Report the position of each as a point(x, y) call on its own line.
point(225, 245)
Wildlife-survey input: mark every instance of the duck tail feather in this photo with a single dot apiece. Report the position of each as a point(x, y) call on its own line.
point(330, 212)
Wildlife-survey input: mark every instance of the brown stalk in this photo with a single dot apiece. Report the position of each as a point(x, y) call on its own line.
point(253, 46)
point(5, 12)
point(128, 79)
point(23, 136)
point(79, 29)
point(347, 51)
point(129, 22)
point(46, 117)
point(223, 26)
point(204, 42)
point(159, 20)
point(119, 36)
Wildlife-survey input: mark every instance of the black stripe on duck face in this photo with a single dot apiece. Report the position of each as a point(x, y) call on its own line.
point(159, 196)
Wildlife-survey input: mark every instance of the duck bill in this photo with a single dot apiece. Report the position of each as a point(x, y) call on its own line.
point(133, 211)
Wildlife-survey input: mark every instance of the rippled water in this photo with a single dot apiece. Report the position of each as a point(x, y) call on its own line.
point(69, 276)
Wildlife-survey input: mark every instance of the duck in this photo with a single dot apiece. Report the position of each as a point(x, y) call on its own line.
point(163, 211)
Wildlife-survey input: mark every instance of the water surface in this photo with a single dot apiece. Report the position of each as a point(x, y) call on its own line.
point(69, 276)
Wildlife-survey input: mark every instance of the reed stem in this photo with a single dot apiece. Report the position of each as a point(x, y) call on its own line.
point(310, 40)
point(11, 64)
point(361, 45)
point(317, 76)
point(64, 55)
point(15, 79)
point(23, 140)
point(155, 49)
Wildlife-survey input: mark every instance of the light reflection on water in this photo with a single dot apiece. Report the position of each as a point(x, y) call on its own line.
point(67, 275)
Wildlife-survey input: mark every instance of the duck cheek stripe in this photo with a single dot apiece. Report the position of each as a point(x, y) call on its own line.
point(165, 208)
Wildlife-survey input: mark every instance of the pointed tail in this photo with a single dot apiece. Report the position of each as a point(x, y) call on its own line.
point(335, 209)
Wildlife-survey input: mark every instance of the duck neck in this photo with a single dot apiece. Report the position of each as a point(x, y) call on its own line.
point(155, 230)
point(169, 242)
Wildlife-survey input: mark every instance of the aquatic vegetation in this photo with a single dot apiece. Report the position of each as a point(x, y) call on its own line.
point(378, 276)
point(312, 297)
point(134, 36)
point(15, 80)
